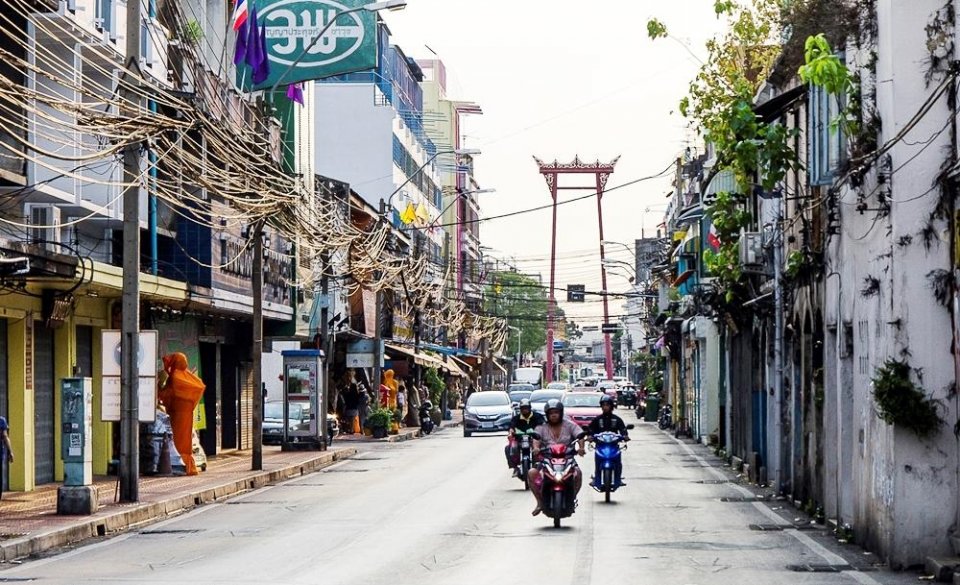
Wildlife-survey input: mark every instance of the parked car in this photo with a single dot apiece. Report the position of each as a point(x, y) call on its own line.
point(538, 399)
point(487, 412)
point(582, 407)
point(297, 417)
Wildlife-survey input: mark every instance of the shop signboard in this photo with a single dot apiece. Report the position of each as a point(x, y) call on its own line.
point(111, 358)
point(291, 26)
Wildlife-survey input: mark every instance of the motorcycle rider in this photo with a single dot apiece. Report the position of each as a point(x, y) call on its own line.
point(525, 420)
point(607, 422)
point(558, 430)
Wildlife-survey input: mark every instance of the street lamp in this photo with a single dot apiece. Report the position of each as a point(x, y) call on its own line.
point(612, 243)
point(458, 152)
point(519, 335)
point(372, 7)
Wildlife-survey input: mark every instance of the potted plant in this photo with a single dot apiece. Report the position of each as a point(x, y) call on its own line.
point(379, 419)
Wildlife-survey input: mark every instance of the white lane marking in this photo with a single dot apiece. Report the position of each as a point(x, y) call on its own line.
point(812, 545)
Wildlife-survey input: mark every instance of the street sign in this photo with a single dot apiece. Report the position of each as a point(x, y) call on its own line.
point(609, 328)
point(576, 293)
point(589, 328)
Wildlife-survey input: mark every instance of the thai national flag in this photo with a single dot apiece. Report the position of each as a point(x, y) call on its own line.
point(239, 14)
point(713, 238)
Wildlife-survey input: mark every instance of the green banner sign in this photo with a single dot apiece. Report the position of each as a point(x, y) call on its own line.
point(291, 25)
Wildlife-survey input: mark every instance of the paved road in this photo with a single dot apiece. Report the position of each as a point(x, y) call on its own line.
point(444, 510)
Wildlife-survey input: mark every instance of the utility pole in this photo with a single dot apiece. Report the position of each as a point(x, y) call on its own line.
point(130, 326)
point(378, 326)
point(324, 333)
point(256, 463)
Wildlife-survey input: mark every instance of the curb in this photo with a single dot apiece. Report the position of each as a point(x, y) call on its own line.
point(141, 514)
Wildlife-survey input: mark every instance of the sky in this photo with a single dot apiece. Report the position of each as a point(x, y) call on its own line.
point(562, 78)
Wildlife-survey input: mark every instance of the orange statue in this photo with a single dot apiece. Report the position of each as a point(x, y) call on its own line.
point(392, 389)
point(180, 395)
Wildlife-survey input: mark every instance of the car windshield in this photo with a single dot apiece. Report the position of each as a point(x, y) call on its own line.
point(520, 387)
point(488, 399)
point(556, 386)
point(275, 410)
point(518, 395)
point(544, 395)
point(592, 399)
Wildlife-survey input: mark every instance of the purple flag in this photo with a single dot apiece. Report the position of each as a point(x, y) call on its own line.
point(240, 52)
point(254, 55)
point(262, 72)
point(295, 93)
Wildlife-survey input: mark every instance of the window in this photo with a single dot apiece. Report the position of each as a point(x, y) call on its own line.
point(826, 144)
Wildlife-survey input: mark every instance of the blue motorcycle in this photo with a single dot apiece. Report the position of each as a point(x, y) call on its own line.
point(608, 447)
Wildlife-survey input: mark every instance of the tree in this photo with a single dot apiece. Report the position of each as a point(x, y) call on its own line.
point(522, 301)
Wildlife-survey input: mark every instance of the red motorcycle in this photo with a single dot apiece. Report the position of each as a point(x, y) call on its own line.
point(557, 470)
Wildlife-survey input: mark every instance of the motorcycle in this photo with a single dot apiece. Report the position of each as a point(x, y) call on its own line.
point(607, 452)
point(426, 422)
point(557, 469)
point(666, 417)
point(525, 443)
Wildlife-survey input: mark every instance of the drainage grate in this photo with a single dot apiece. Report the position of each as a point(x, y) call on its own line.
point(339, 470)
point(254, 502)
point(15, 579)
point(770, 527)
point(714, 481)
point(744, 500)
point(170, 531)
point(818, 568)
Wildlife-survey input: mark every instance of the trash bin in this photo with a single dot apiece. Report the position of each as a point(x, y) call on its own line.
point(653, 408)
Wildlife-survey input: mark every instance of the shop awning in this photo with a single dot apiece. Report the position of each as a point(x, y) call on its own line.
point(451, 366)
point(421, 359)
point(464, 366)
point(683, 278)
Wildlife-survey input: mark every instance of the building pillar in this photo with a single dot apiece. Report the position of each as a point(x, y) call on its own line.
point(21, 406)
point(64, 359)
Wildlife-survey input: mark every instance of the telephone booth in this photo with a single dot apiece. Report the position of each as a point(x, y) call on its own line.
point(304, 400)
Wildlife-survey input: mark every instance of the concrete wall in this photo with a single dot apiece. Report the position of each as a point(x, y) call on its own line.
point(903, 491)
point(354, 139)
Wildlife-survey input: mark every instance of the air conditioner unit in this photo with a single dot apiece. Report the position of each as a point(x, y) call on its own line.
point(751, 250)
point(98, 24)
point(44, 221)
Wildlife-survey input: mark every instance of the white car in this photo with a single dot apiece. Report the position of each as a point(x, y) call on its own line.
point(558, 386)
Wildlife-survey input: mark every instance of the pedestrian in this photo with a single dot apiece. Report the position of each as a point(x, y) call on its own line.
point(351, 405)
point(6, 449)
point(402, 400)
point(363, 408)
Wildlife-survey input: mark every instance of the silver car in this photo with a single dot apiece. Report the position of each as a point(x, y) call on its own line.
point(487, 412)
point(538, 400)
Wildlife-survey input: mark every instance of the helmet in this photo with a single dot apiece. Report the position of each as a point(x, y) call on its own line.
point(606, 399)
point(426, 404)
point(524, 403)
point(553, 404)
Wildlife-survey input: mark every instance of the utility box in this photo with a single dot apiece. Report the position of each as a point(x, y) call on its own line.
point(77, 495)
point(304, 400)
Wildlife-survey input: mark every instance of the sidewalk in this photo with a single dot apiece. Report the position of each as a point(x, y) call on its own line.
point(30, 525)
point(405, 434)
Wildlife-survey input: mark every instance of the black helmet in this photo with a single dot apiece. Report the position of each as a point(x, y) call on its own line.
point(427, 404)
point(553, 404)
point(524, 403)
point(606, 399)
